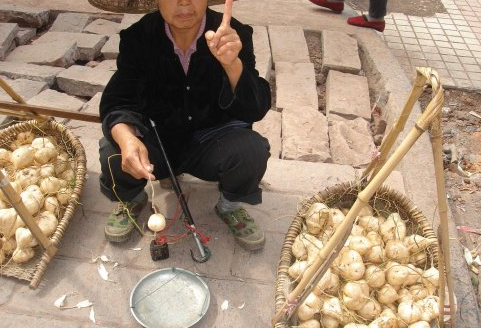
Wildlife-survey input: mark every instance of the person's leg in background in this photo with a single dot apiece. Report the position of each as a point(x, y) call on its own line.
point(375, 18)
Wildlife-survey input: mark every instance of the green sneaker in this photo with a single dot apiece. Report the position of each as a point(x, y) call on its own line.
point(246, 232)
point(119, 226)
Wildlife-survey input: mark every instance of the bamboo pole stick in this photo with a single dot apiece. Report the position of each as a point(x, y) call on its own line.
point(22, 211)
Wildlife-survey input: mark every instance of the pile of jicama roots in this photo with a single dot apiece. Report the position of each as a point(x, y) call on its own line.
point(382, 278)
point(43, 174)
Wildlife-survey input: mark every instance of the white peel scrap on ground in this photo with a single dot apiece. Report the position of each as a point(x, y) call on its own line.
point(225, 305)
point(60, 302)
point(92, 315)
point(104, 273)
point(83, 304)
point(136, 249)
point(240, 307)
point(103, 258)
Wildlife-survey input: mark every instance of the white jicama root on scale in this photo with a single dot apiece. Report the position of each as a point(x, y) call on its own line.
point(156, 222)
point(379, 280)
point(42, 173)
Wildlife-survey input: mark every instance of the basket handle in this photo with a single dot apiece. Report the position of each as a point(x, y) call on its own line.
point(331, 250)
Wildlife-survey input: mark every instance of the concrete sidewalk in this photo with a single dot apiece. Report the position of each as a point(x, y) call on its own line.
point(245, 280)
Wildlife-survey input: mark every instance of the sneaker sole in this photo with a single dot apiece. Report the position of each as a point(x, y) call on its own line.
point(253, 245)
point(117, 238)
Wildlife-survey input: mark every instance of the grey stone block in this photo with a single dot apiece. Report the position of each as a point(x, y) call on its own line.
point(8, 31)
point(93, 105)
point(55, 99)
point(111, 48)
point(128, 20)
point(340, 52)
point(294, 51)
point(304, 135)
point(262, 51)
point(19, 70)
point(108, 65)
point(347, 96)
point(351, 142)
point(60, 53)
point(103, 27)
point(270, 128)
point(295, 85)
point(83, 81)
point(24, 35)
point(70, 22)
point(23, 15)
point(25, 88)
point(89, 45)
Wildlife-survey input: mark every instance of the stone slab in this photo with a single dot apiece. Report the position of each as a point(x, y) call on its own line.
point(304, 135)
point(25, 88)
point(347, 95)
point(294, 51)
point(262, 51)
point(351, 142)
point(93, 105)
point(25, 16)
point(60, 53)
point(83, 81)
point(24, 35)
point(295, 85)
point(89, 45)
point(18, 70)
point(270, 128)
point(8, 31)
point(55, 99)
point(128, 20)
point(108, 65)
point(111, 48)
point(339, 52)
point(103, 27)
point(70, 22)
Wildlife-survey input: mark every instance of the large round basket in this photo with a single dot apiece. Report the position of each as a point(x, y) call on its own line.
point(134, 6)
point(34, 269)
point(385, 201)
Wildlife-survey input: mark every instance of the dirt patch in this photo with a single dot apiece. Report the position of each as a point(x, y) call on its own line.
point(421, 8)
point(314, 44)
point(462, 163)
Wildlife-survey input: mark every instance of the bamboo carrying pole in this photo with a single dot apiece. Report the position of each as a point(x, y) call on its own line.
point(331, 250)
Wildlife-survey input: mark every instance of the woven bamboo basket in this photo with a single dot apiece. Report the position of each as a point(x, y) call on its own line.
point(134, 6)
point(33, 270)
point(385, 201)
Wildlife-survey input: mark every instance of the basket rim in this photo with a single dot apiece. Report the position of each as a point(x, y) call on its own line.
point(283, 279)
point(33, 270)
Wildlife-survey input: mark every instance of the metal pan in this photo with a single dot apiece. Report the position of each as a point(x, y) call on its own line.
point(169, 298)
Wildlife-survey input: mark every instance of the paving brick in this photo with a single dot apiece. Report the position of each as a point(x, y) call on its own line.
point(108, 65)
point(70, 22)
point(128, 20)
point(295, 85)
point(25, 16)
point(304, 135)
point(55, 99)
point(111, 48)
point(270, 128)
point(351, 142)
point(83, 81)
point(8, 31)
point(25, 88)
point(89, 45)
point(18, 70)
point(340, 52)
point(294, 51)
point(103, 27)
point(60, 53)
point(262, 51)
point(24, 35)
point(93, 105)
point(34, 320)
point(347, 96)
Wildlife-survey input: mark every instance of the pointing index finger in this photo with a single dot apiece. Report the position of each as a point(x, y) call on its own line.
point(227, 13)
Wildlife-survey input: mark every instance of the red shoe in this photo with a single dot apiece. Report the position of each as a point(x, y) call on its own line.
point(362, 21)
point(336, 7)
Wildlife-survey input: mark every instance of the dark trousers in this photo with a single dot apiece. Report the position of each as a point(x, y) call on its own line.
point(236, 159)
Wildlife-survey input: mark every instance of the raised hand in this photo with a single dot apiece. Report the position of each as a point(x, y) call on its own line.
point(224, 43)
